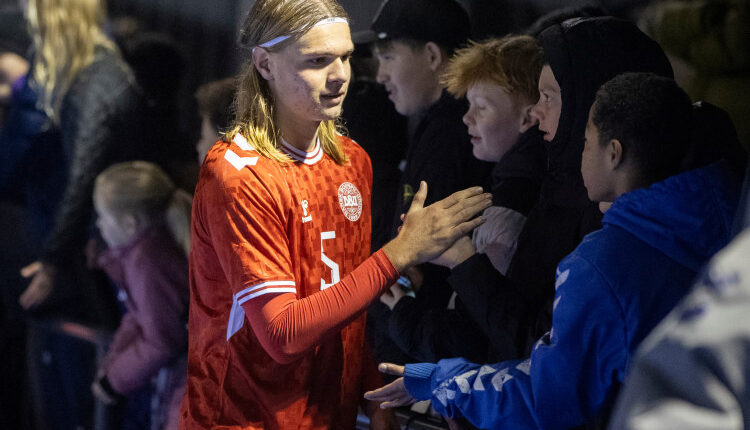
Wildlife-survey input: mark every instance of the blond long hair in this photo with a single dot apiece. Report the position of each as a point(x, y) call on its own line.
point(65, 34)
point(254, 103)
point(144, 190)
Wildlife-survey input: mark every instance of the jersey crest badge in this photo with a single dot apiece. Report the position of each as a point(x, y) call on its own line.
point(350, 201)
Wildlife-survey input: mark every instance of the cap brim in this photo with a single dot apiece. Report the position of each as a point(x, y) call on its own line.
point(364, 36)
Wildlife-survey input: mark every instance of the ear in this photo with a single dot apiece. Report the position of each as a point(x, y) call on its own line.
point(614, 155)
point(527, 120)
point(435, 56)
point(261, 60)
point(130, 224)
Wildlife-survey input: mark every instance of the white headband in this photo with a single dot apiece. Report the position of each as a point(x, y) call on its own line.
point(277, 40)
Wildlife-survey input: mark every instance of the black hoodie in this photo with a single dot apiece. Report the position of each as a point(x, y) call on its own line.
point(515, 310)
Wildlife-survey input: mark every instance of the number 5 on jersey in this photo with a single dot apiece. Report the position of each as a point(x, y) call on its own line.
point(335, 277)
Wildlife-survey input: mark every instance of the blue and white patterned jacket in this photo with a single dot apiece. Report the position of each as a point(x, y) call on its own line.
point(610, 293)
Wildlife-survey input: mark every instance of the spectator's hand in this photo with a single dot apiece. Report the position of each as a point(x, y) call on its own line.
point(459, 252)
point(416, 277)
point(101, 393)
point(42, 282)
point(392, 296)
point(381, 419)
point(428, 231)
point(394, 394)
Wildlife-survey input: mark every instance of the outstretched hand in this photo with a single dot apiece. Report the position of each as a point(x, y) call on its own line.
point(459, 252)
point(394, 394)
point(428, 231)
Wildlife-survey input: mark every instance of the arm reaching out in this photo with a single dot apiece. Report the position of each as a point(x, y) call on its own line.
point(287, 325)
point(428, 231)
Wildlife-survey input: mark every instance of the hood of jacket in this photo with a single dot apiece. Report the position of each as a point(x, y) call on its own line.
point(585, 53)
point(688, 216)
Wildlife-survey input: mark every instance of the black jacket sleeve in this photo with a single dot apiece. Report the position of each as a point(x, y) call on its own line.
point(503, 310)
point(433, 334)
point(95, 119)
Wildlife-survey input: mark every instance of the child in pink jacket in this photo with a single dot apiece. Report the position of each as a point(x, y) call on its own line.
point(145, 222)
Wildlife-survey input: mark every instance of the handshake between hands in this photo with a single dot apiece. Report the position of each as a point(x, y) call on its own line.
point(428, 231)
point(436, 233)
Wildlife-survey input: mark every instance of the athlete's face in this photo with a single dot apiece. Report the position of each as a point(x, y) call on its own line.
point(408, 77)
point(493, 120)
point(547, 110)
point(309, 78)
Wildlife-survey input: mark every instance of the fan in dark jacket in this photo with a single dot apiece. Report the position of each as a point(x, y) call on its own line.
point(617, 284)
point(515, 309)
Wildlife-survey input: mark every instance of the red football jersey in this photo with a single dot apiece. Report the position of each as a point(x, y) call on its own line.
point(267, 349)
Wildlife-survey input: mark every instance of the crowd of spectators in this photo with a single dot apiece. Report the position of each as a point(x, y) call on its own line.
point(606, 287)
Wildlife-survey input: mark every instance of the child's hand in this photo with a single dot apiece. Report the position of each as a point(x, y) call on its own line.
point(392, 296)
point(456, 254)
point(103, 392)
point(394, 394)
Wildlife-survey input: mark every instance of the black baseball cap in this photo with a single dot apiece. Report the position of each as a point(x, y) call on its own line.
point(443, 22)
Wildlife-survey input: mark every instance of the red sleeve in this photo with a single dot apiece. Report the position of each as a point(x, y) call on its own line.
point(287, 326)
point(246, 220)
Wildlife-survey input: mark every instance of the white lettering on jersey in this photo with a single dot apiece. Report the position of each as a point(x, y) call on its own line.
point(335, 276)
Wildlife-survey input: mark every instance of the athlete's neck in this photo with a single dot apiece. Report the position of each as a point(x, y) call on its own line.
point(300, 135)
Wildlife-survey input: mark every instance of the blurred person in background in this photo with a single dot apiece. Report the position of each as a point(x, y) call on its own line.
point(215, 101)
point(16, 107)
point(145, 221)
point(90, 103)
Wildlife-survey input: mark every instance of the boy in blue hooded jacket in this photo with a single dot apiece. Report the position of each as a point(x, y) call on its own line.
point(617, 284)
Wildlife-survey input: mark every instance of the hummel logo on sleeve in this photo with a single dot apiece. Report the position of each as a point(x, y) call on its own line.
point(305, 216)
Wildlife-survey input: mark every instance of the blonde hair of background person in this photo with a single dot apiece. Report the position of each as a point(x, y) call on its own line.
point(143, 191)
point(254, 105)
point(65, 34)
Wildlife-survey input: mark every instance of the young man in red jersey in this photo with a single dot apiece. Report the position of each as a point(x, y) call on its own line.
point(280, 267)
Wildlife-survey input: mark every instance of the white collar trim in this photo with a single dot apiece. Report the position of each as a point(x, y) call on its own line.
point(310, 158)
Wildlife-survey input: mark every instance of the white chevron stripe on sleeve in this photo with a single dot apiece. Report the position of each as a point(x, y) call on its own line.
point(239, 162)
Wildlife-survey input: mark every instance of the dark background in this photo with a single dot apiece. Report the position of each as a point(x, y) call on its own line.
point(208, 29)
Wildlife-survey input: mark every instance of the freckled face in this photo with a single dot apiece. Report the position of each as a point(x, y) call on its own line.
point(310, 77)
point(493, 121)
